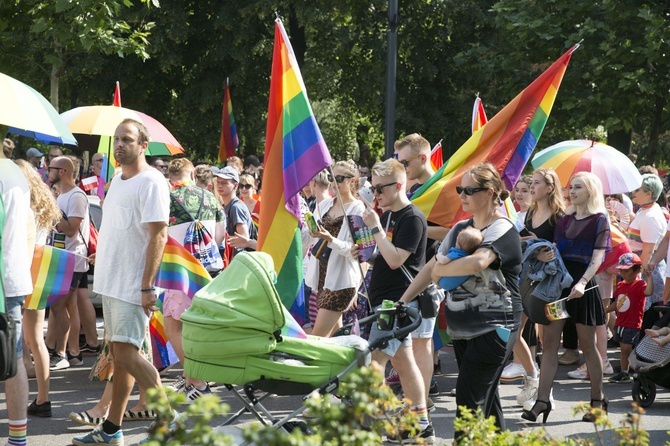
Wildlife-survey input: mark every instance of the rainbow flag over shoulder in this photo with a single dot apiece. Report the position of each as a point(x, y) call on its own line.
point(294, 153)
point(52, 270)
point(506, 141)
point(181, 271)
point(228, 141)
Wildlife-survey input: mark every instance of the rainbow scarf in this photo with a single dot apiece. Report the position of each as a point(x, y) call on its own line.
point(294, 153)
point(506, 141)
point(181, 271)
point(52, 270)
point(228, 141)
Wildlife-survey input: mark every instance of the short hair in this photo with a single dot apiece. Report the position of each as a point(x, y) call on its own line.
point(235, 162)
point(322, 178)
point(8, 147)
point(178, 167)
point(248, 179)
point(485, 175)
point(252, 160)
point(652, 183)
point(594, 187)
point(648, 169)
point(470, 238)
point(390, 168)
point(144, 135)
point(416, 143)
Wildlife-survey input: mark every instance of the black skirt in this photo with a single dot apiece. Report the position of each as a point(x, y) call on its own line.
point(587, 310)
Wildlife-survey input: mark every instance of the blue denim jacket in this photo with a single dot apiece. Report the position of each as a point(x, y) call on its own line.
point(553, 276)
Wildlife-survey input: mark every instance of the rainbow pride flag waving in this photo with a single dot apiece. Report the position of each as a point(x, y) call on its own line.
point(52, 270)
point(181, 271)
point(294, 153)
point(506, 141)
point(228, 140)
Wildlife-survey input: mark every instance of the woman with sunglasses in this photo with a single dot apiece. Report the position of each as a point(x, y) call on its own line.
point(582, 237)
point(337, 279)
point(484, 313)
point(248, 194)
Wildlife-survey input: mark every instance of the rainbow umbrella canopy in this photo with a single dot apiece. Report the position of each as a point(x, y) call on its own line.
point(616, 171)
point(94, 127)
point(27, 113)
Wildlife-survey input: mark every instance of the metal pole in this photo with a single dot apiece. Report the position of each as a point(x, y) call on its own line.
point(391, 59)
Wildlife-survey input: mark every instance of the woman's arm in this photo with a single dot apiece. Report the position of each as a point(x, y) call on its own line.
point(660, 254)
point(647, 251)
point(596, 260)
point(465, 266)
point(420, 282)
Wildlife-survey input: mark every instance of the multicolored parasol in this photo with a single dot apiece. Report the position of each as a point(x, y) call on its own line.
point(616, 171)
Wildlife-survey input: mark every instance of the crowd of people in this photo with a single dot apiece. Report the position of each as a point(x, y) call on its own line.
point(492, 266)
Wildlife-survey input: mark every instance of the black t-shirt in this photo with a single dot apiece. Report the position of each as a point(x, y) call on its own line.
point(546, 229)
point(406, 230)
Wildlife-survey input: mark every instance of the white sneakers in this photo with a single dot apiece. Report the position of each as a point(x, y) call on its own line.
point(513, 372)
point(582, 373)
point(528, 390)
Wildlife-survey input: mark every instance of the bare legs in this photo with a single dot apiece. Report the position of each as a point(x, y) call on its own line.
point(173, 331)
point(87, 317)
point(33, 330)
point(422, 349)
point(326, 322)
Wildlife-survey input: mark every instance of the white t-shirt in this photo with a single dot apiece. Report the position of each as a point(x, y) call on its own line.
point(75, 204)
point(648, 226)
point(124, 233)
point(16, 256)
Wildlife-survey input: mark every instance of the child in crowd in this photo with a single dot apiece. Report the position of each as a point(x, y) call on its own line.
point(629, 299)
point(467, 242)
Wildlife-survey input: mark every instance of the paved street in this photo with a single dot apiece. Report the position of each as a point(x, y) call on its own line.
point(71, 391)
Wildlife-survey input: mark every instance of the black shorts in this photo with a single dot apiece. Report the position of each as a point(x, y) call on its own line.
point(626, 335)
point(77, 279)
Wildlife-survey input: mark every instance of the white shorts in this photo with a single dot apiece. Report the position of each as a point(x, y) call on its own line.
point(124, 322)
point(423, 331)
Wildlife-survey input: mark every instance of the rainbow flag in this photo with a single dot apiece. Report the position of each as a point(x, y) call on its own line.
point(228, 141)
point(294, 153)
point(291, 328)
point(478, 115)
point(436, 160)
point(179, 270)
point(116, 100)
point(163, 353)
point(52, 270)
point(506, 141)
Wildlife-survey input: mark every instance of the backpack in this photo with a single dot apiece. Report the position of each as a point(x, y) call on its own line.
point(198, 240)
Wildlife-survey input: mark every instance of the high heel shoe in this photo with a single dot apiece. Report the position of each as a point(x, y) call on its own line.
point(590, 417)
point(530, 415)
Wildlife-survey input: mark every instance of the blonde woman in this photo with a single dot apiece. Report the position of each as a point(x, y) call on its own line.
point(249, 195)
point(337, 279)
point(47, 214)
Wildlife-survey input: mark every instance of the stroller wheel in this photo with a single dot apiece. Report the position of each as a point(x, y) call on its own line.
point(644, 391)
point(290, 425)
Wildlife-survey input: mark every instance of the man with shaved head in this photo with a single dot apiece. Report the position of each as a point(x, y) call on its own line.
point(72, 233)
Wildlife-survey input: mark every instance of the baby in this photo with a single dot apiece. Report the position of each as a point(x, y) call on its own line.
point(467, 242)
point(660, 336)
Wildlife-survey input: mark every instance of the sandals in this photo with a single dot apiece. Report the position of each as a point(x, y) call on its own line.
point(142, 415)
point(85, 419)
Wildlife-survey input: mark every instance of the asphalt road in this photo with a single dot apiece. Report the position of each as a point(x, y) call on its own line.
point(71, 391)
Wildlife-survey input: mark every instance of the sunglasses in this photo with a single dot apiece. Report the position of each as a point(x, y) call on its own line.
point(406, 162)
point(378, 189)
point(97, 161)
point(469, 190)
point(54, 168)
point(340, 178)
point(245, 186)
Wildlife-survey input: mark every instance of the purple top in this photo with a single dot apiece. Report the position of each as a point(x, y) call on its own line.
point(577, 239)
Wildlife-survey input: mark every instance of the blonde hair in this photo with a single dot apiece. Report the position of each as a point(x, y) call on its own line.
point(390, 168)
point(321, 178)
point(350, 168)
point(248, 179)
point(593, 185)
point(416, 143)
point(42, 201)
point(485, 175)
point(555, 198)
point(179, 167)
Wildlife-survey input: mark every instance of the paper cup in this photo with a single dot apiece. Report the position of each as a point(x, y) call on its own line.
point(556, 311)
point(385, 318)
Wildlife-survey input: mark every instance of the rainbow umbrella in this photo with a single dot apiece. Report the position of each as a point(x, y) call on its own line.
point(94, 127)
point(27, 113)
point(616, 171)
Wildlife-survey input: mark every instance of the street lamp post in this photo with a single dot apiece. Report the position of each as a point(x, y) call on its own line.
point(391, 63)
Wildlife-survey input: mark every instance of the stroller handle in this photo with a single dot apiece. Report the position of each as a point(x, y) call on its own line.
point(414, 317)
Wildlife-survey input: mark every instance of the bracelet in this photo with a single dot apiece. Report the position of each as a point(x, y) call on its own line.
point(148, 290)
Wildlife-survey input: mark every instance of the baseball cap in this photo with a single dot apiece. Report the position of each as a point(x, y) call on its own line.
point(228, 173)
point(628, 260)
point(34, 152)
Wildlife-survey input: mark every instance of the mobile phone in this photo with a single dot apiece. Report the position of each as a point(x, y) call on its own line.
point(524, 232)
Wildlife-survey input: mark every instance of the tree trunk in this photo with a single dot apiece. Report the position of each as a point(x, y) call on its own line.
point(297, 36)
point(655, 131)
point(56, 70)
point(620, 140)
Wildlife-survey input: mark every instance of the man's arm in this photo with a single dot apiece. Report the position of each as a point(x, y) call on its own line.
point(157, 239)
point(437, 233)
point(70, 226)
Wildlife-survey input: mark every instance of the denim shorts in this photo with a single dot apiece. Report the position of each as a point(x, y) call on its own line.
point(124, 322)
point(14, 305)
point(424, 331)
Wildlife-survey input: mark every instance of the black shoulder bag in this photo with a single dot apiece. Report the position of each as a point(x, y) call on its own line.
point(7, 324)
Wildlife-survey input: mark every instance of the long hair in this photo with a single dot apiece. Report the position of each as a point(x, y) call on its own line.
point(593, 185)
point(485, 175)
point(42, 202)
point(555, 198)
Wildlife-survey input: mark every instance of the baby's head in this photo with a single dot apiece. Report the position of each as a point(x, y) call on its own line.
point(469, 239)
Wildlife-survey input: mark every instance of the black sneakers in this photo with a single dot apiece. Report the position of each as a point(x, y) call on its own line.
point(75, 360)
point(434, 389)
point(426, 436)
point(88, 349)
point(40, 410)
point(58, 362)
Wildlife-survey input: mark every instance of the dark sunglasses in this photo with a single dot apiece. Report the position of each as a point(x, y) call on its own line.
point(340, 178)
point(406, 162)
point(54, 168)
point(378, 189)
point(245, 186)
point(469, 190)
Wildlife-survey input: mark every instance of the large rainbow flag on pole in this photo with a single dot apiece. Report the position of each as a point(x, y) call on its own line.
point(228, 141)
point(52, 270)
point(181, 271)
point(506, 141)
point(294, 153)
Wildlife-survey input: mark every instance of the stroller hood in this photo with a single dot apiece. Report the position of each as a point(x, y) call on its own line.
point(240, 311)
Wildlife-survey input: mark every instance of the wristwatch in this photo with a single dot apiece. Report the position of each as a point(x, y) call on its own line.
point(375, 230)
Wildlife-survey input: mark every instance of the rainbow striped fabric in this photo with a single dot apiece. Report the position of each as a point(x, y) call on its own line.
point(294, 153)
point(181, 271)
point(478, 115)
point(52, 270)
point(436, 160)
point(163, 353)
point(506, 141)
point(228, 141)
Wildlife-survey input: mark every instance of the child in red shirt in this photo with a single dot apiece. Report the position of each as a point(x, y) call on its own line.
point(629, 298)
